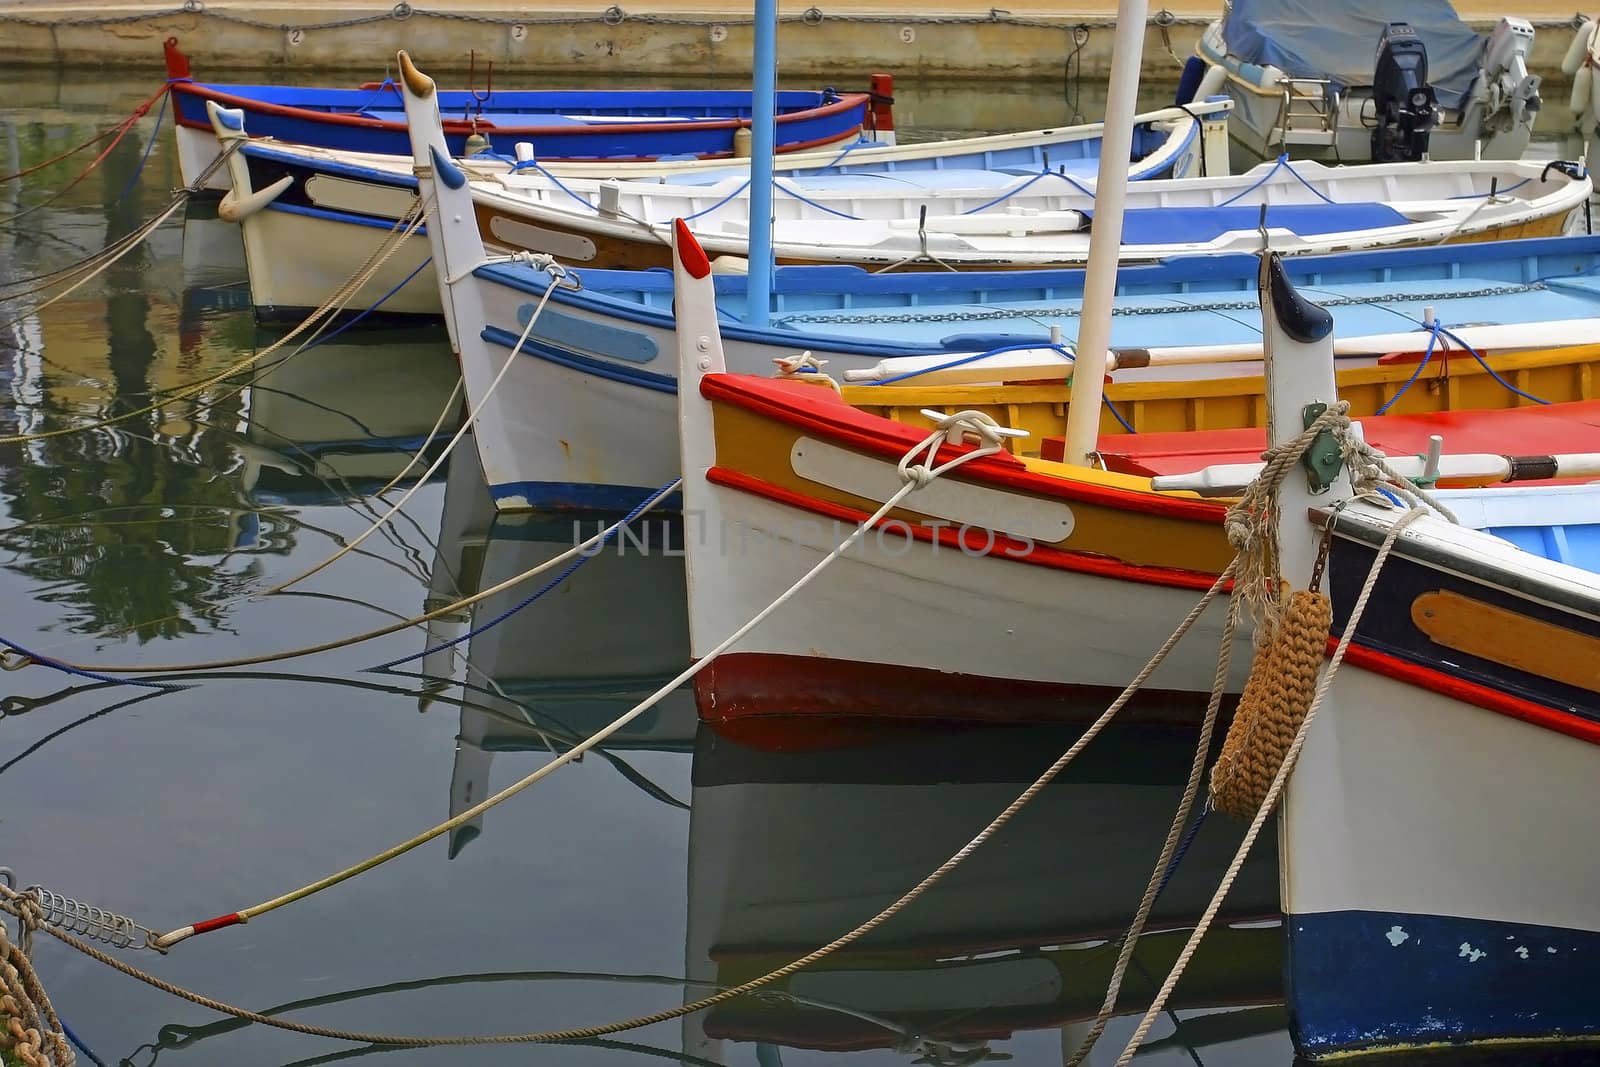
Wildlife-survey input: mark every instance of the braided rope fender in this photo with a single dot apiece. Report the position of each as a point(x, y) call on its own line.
point(1277, 694)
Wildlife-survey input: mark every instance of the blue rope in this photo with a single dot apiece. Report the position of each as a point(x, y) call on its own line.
point(583, 557)
point(807, 200)
point(851, 147)
point(1117, 414)
point(532, 164)
point(1182, 850)
point(719, 203)
point(401, 284)
point(1003, 197)
point(963, 360)
point(387, 83)
point(1438, 327)
point(154, 133)
point(53, 664)
point(1281, 164)
point(78, 1041)
point(1484, 364)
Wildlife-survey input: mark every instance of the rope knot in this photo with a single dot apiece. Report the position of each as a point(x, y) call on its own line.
point(804, 363)
point(917, 467)
point(11, 660)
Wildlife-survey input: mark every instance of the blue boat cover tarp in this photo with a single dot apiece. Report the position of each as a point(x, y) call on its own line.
point(1197, 225)
point(1339, 40)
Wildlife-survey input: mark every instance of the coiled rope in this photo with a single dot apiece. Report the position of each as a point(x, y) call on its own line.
point(1276, 697)
point(32, 1031)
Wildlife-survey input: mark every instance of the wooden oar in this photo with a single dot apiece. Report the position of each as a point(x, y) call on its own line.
point(1042, 362)
point(1226, 479)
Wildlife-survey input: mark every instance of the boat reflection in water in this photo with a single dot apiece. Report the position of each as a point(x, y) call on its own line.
point(567, 664)
point(788, 849)
point(339, 420)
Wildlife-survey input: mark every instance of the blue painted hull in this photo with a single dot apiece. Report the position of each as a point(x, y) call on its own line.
point(577, 496)
point(560, 125)
point(1363, 981)
point(1200, 299)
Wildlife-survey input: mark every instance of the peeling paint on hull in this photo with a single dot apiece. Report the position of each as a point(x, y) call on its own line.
point(1356, 990)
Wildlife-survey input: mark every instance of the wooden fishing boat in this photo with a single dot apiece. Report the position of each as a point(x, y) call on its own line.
point(574, 124)
point(934, 221)
point(584, 415)
point(778, 471)
point(788, 849)
point(1431, 890)
point(1306, 83)
point(314, 215)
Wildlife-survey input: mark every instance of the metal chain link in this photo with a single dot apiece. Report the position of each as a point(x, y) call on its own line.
point(1068, 312)
point(615, 15)
point(612, 16)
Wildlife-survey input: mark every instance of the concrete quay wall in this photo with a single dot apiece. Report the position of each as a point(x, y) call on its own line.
point(1025, 39)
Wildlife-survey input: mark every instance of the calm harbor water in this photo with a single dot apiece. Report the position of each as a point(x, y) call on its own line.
point(671, 863)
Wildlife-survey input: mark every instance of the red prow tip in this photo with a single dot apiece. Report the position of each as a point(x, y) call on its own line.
point(690, 254)
point(177, 62)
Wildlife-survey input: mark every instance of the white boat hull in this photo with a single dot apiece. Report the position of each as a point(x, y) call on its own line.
point(298, 261)
point(1438, 884)
point(932, 625)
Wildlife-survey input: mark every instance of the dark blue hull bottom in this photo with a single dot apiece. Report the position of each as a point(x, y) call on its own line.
point(1374, 980)
point(574, 496)
point(292, 316)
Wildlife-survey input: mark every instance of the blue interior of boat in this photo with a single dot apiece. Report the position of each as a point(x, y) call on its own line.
point(511, 106)
point(1555, 522)
point(1074, 154)
point(1199, 299)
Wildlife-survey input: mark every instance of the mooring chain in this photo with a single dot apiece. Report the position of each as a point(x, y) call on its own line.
point(32, 1030)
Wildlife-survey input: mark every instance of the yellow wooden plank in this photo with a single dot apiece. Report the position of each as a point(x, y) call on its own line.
point(1509, 638)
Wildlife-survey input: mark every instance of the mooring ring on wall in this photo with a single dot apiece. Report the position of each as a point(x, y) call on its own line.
point(613, 15)
point(401, 11)
point(1164, 18)
point(812, 16)
point(194, 7)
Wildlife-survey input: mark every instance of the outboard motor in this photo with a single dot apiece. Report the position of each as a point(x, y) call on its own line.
point(1513, 93)
point(1405, 107)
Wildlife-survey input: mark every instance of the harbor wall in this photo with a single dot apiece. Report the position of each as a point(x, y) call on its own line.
point(1024, 40)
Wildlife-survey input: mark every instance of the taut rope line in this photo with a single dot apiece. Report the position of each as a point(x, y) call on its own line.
point(1274, 792)
point(8, 896)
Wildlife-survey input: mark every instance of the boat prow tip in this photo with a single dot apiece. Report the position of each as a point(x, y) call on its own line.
point(417, 82)
point(690, 255)
point(1301, 319)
